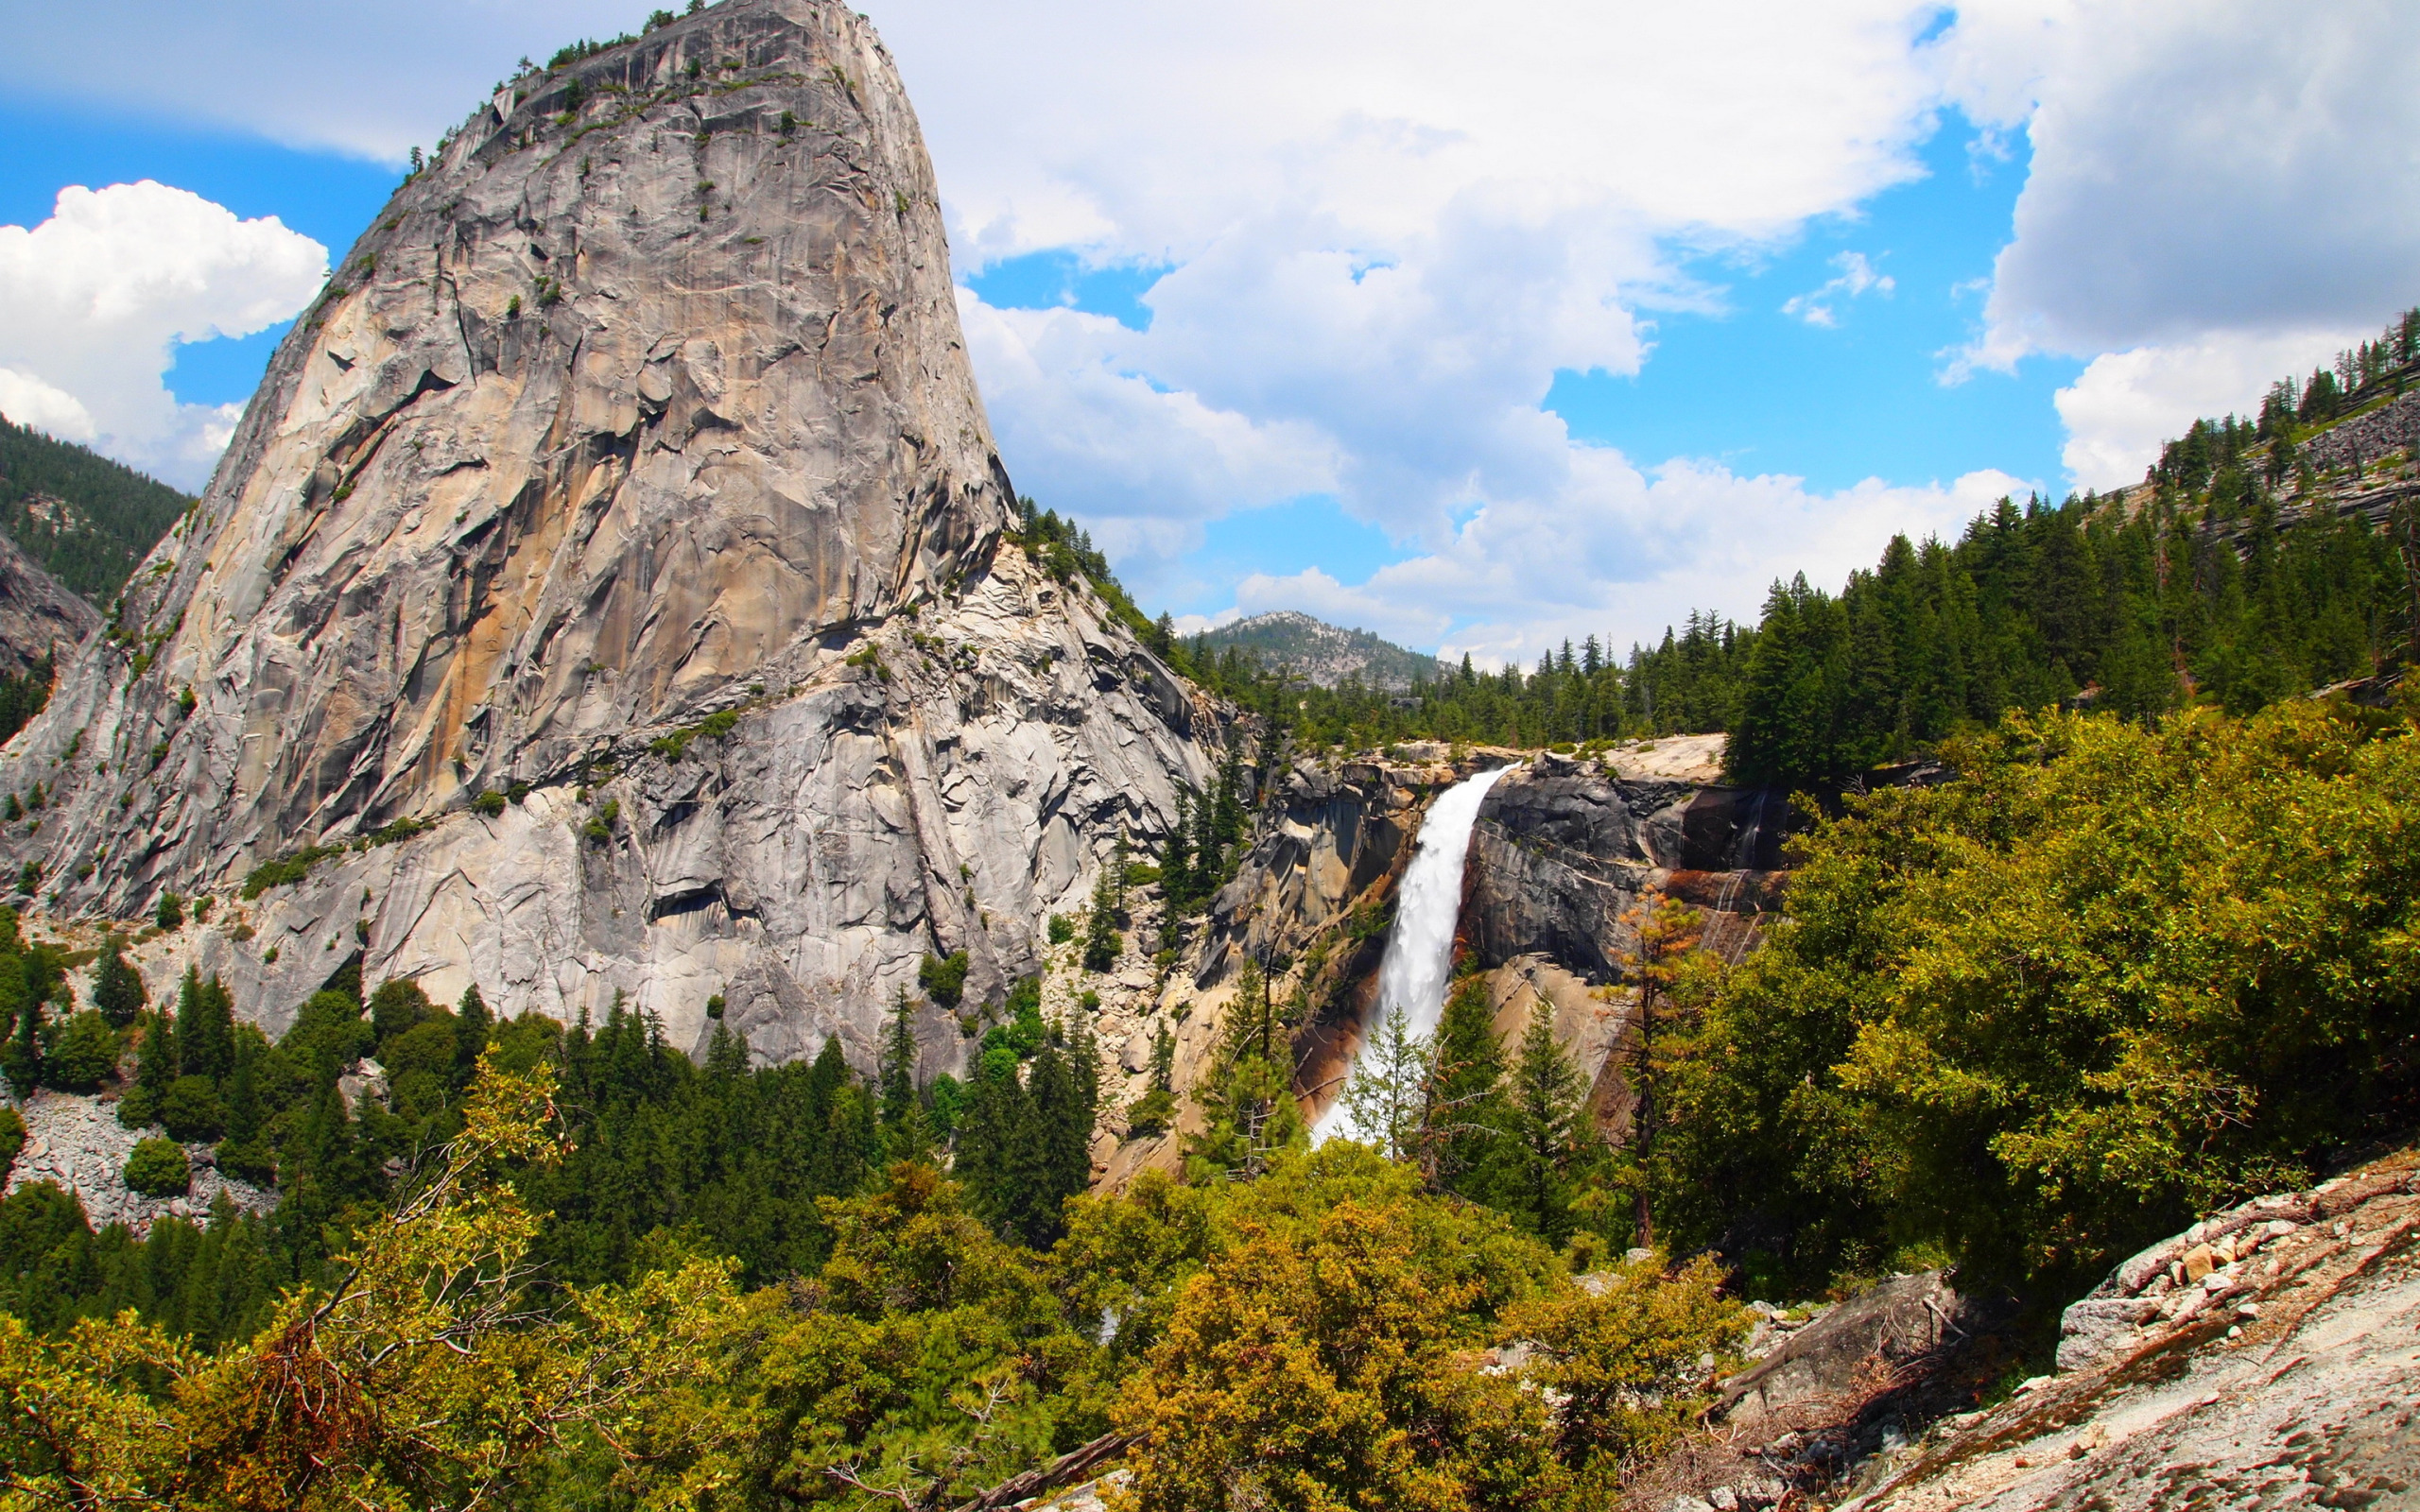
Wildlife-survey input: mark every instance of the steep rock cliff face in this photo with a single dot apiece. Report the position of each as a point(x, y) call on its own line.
point(644, 405)
point(1564, 849)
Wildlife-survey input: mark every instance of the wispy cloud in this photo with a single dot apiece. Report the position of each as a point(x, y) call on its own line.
point(1819, 306)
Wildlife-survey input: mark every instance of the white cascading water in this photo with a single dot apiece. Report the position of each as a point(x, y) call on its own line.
point(1420, 946)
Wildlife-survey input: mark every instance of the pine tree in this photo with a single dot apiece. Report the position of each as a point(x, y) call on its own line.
point(907, 1133)
point(472, 1025)
point(996, 1144)
point(1061, 1133)
point(23, 1048)
point(1668, 931)
point(117, 991)
point(1248, 1102)
point(1384, 1100)
point(1532, 1163)
point(1227, 804)
point(1175, 857)
point(1102, 942)
point(1459, 1117)
point(205, 1028)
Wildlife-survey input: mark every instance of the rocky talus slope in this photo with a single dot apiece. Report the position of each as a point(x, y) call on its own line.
point(39, 617)
point(606, 597)
point(77, 1145)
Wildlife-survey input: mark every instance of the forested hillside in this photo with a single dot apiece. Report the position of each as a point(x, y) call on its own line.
point(85, 519)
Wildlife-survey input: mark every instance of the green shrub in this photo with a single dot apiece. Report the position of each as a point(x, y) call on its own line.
point(714, 727)
point(13, 1139)
point(191, 1110)
point(2112, 976)
point(158, 1168)
point(488, 805)
point(943, 978)
point(84, 1056)
point(1063, 929)
point(390, 834)
point(250, 1160)
point(172, 911)
point(290, 867)
point(1150, 1115)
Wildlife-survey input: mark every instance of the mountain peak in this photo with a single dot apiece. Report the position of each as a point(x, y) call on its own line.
point(1322, 653)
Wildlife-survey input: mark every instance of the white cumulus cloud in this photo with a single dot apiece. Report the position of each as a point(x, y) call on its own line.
point(93, 299)
point(1386, 231)
point(1388, 224)
point(2200, 167)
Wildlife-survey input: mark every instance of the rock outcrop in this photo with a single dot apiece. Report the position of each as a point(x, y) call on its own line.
point(1564, 848)
point(39, 616)
point(2263, 1358)
point(607, 594)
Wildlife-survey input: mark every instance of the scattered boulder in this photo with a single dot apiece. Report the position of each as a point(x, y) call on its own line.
point(1830, 1370)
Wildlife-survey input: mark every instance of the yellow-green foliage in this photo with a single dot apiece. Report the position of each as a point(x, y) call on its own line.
point(1310, 1339)
point(1324, 1352)
point(2044, 1013)
point(429, 1375)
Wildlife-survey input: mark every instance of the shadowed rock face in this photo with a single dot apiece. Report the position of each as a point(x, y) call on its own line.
point(1564, 848)
point(40, 615)
point(647, 400)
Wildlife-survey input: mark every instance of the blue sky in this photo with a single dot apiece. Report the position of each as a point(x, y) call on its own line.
point(327, 197)
point(1731, 376)
point(1476, 337)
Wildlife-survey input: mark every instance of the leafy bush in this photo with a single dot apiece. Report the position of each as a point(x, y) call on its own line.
point(191, 1110)
point(84, 1056)
point(172, 911)
point(13, 1139)
point(290, 867)
point(1150, 1115)
point(2039, 1016)
point(943, 978)
point(1063, 929)
point(251, 1161)
point(158, 1168)
point(714, 727)
point(488, 805)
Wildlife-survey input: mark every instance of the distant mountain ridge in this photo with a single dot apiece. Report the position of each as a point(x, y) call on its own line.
point(1327, 654)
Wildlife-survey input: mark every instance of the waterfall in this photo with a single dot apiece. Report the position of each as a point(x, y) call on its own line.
point(1420, 946)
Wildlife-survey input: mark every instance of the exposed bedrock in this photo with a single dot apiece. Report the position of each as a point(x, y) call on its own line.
point(39, 616)
point(646, 404)
point(1564, 849)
